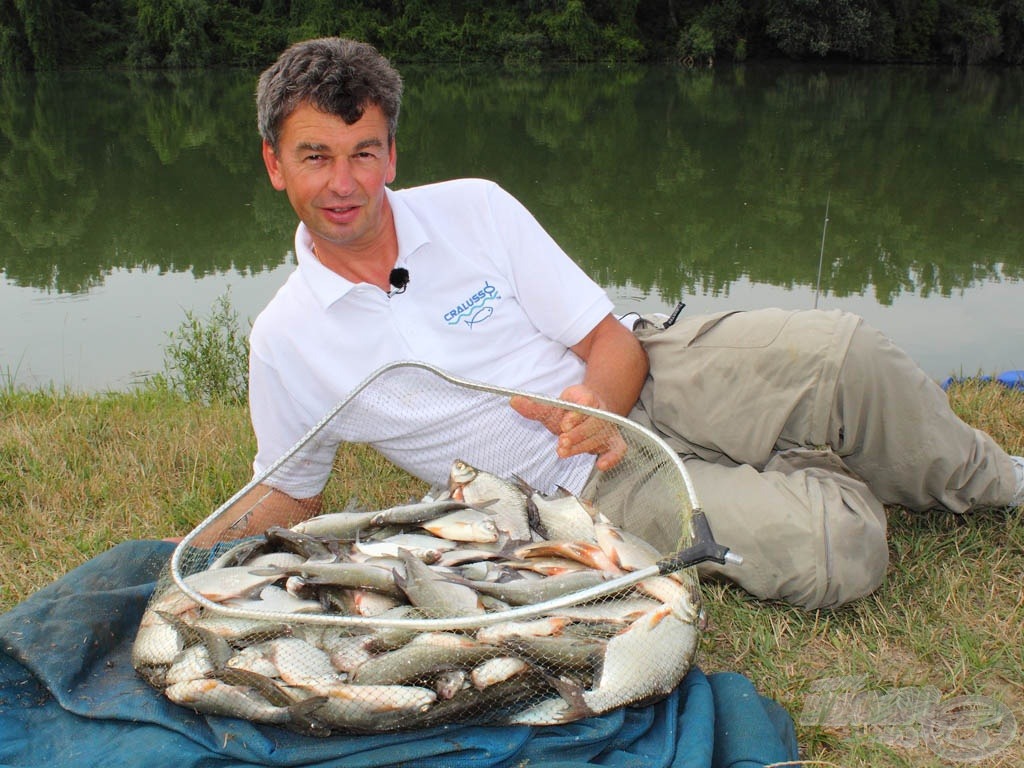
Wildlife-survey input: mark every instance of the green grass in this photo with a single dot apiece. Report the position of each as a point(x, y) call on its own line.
point(80, 473)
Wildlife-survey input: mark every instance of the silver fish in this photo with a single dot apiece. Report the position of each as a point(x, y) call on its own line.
point(627, 551)
point(239, 553)
point(264, 685)
point(497, 670)
point(280, 559)
point(218, 649)
point(308, 546)
point(370, 707)
point(157, 643)
point(619, 611)
point(226, 583)
point(505, 501)
point(418, 512)
point(428, 654)
point(347, 652)
point(237, 630)
point(359, 602)
point(480, 570)
point(424, 547)
point(470, 525)
point(215, 697)
point(561, 654)
point(646, 660)
point(191, 664)
point(276, 600)
point(549, 566)
point(449, 682)
point(388, 638)
point(583, 552)
point(530, 591)
point(361, 575)
point(434, 594)
point(500, 550)
point(562, 515)
point(551, 711)
point(497, 633)
point(299, 663)
point(489, 704)
point(254, 659)
point(344, 525)
point(677, 591)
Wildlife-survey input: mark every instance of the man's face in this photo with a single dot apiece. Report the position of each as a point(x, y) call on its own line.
point(335, 174)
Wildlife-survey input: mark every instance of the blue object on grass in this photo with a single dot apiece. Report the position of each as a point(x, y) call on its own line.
point(950, 380)
point(70, 697)
point(1011, 379)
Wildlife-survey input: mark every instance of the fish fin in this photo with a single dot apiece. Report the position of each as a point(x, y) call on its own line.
point(437, 493)
point(524, 485)
point(261, 684)
point(400, 580)
point(218, 649)
point(271, 570)
point(303, 719)
point(572, 693)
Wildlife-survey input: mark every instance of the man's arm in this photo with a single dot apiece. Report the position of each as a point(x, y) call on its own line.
point(258, 510)
point(616, 369)
point(616, 365)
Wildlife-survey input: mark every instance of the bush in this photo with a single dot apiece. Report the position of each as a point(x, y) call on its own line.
point(208, 360)
point(696, 45)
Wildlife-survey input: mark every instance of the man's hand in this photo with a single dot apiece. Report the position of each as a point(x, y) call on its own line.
point(577, 432)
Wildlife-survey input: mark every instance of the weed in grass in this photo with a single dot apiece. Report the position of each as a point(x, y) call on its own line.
point(207, 359)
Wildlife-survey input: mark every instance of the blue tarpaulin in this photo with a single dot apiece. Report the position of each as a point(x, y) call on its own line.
point(70, 697)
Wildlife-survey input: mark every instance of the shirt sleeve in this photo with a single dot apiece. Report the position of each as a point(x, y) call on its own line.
point(561, 299)
point(280, 423)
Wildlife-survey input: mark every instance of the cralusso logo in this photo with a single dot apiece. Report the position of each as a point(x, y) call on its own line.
point(475, 309)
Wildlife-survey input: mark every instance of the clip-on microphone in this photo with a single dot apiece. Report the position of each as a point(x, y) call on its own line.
point(399, 279)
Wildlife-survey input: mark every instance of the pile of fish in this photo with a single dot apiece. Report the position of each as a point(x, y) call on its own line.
point(482, 547)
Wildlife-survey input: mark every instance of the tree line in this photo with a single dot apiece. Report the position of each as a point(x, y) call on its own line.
point(59, 34)
point(678, 181)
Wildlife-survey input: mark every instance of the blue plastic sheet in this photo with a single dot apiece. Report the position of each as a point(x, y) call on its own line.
point(70, 697)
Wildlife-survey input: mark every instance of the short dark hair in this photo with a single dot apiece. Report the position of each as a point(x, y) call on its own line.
point(337, 76)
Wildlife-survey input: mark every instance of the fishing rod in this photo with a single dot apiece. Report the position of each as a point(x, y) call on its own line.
point(821, 256)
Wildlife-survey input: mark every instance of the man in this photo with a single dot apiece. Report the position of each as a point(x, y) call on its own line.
point(796, 426)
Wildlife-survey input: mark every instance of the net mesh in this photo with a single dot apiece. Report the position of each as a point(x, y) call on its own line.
point(519, 588)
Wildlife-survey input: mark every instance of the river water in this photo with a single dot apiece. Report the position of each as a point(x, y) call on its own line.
point(127, 200)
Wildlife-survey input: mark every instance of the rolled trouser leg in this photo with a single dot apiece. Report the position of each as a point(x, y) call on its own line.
point(810, 533)
point(893, 426)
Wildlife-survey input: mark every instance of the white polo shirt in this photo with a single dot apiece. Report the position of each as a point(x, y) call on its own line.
point(491, 298)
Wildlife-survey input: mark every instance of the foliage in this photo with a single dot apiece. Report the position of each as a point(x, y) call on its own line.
point(171, 33)
point(696, 44)
point(716, 28)
point(803, 28)
point(969, 32)
point(207, 360)
point(50, 34)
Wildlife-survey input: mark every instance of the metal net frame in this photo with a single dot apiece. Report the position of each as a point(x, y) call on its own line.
point(600, 626)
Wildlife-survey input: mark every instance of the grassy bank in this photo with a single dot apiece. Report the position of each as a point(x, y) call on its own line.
point(81, 473)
